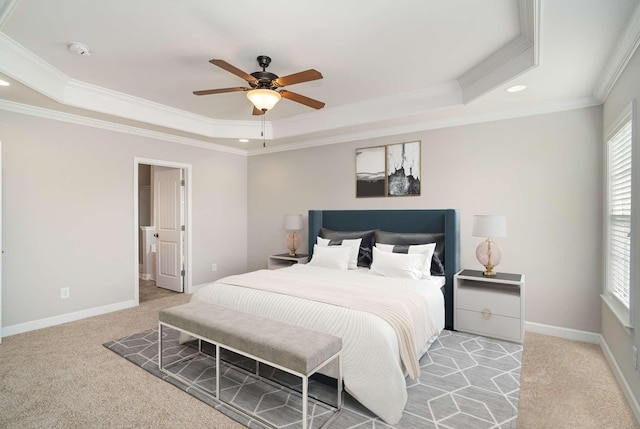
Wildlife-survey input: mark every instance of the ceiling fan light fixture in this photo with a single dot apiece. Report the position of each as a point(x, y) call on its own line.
point(264, 99)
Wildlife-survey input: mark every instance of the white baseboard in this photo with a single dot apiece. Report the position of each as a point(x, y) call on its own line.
point(147, 277)
point(64, 318)
point(622, 382)
point(556, 331)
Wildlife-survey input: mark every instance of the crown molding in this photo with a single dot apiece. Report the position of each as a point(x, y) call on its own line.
point(370, 111)
point(620, 57)
point(56, 115)
point(515, 58)
point(578, 103)
point(6, 9)
point(22, 65)
point(99, 99)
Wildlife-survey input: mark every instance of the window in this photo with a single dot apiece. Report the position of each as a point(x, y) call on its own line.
point(618, 215)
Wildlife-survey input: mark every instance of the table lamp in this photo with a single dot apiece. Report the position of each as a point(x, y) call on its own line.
point(293, 223)
point(489, 253)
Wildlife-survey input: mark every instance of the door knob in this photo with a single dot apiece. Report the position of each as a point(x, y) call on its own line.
point(155, 235)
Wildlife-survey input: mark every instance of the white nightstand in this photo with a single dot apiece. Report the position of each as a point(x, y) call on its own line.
point(284, 260)
point(490, 306)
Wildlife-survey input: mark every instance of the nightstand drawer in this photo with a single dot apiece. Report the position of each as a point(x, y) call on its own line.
point(491, 325)
point(500, 300)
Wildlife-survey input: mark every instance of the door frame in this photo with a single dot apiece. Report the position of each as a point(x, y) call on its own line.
point(1, 255)
point(187, 169)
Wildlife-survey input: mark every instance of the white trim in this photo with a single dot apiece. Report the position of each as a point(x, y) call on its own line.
point(515, 58)
point(619, 311)
point(620, 57)
point(508, 62)
point(1, 247)
point(6, 10)
point(71, 118)
point(624, 314)
point(302, 144)
point(188, 254)
point(622, 381)
point(426, 125)
point(400, 105)
point(64, 318)
point(24, 66)
point(560, 332)
point(621, 120)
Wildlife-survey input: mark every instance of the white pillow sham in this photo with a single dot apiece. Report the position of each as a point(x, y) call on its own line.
point(353, 244)
point(336, 257)
point(403, 265)
point(426, 249)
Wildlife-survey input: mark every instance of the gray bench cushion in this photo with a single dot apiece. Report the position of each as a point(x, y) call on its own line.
point(292, 347)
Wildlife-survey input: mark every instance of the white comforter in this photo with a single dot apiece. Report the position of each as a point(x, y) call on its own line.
point(372, 369)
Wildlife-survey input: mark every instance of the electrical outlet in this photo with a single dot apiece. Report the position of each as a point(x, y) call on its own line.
point(214, 267)
point(634, 357)
point(65, 293)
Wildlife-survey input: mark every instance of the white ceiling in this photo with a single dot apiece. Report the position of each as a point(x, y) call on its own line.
point(388, 66)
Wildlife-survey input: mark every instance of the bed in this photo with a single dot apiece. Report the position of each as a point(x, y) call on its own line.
point(376, 355)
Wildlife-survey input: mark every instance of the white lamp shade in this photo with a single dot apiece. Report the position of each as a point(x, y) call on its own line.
point(489, 226)
point(263, 99)
point(293, 222)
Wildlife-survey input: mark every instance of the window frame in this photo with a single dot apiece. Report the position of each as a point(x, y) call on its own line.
point(624, 314)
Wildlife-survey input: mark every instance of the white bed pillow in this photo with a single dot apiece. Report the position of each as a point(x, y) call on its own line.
point(353, 244)
point(336, 257)
point(385, 247)
point(426, 249)
point(391, 264)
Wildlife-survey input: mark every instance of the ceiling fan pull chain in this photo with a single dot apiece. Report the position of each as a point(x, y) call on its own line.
point(264, 143)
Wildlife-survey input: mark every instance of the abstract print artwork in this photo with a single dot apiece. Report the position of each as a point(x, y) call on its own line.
point(403, 169)
point(370, 172)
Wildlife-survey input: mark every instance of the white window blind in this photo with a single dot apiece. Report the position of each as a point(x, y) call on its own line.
point(619, 213)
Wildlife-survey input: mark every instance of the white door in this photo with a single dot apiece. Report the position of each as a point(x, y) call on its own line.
point(169, 221)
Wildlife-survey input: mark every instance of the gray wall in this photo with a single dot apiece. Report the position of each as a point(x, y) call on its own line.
point(618, 340)
point(543, 172)
point(68, 214)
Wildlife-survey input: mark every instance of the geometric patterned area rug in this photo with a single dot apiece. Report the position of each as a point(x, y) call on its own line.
point(467, 381)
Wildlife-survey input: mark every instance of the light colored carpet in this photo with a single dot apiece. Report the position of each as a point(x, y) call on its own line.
point(62, 377)
point(148, 291)
point(568, 384)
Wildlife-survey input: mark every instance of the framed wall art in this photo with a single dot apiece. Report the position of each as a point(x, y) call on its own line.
point(371, 172)
point(403, 169)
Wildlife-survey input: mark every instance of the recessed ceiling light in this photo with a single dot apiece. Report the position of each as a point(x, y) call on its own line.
point(4, 83)
point(243, 140)
point(516, 88)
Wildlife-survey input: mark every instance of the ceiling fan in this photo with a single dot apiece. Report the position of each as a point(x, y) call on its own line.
point(265, 88)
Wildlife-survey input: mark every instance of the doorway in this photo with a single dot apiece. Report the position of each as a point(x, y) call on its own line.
point(162, 221)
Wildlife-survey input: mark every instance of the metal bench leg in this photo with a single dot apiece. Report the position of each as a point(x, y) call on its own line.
point(305, 397)
point(160, 346)
point(217, 371)
point(340, 381)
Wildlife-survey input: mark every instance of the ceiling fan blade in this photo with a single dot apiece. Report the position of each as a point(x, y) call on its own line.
point(302, 99)
point(257, 112)
point(220, 91)
point(304, 76)
point(231, 69)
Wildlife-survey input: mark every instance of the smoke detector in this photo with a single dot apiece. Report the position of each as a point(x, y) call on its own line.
point(79, 48)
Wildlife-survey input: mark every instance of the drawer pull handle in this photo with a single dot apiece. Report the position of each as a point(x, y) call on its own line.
point(486, 314)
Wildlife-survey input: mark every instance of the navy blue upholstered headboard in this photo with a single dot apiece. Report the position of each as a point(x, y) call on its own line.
point(434, 221)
